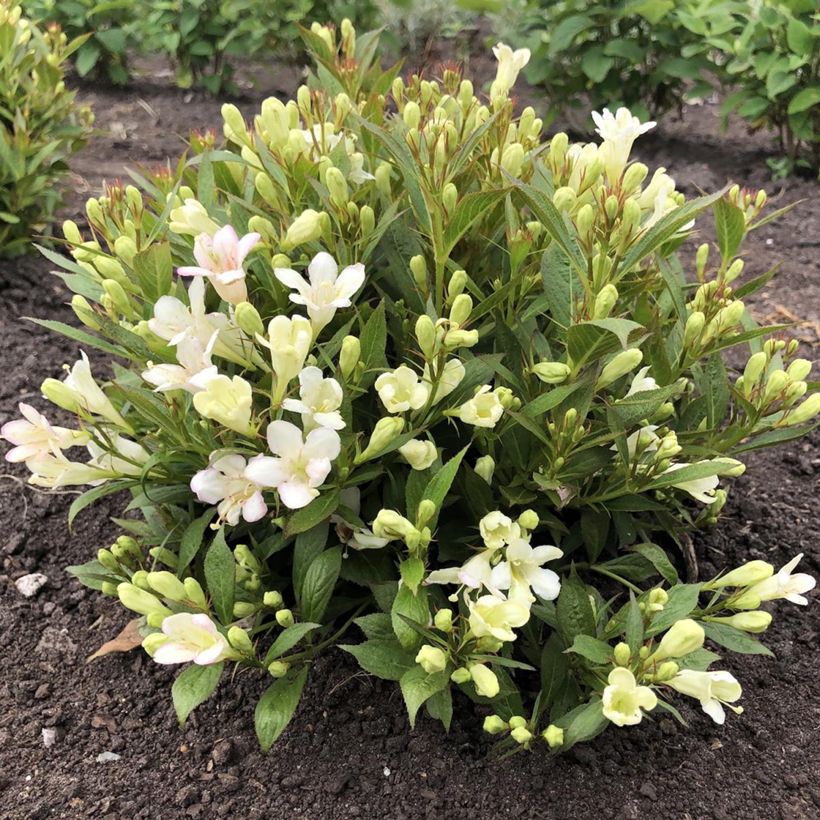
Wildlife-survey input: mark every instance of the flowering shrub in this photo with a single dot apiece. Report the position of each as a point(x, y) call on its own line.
point(41, 125)
point(422, 373)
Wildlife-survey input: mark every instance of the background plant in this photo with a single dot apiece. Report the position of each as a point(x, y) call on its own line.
point(109, 28)
point(767, 55)
point(40, 126)
point(434, 377)
point(590, 54)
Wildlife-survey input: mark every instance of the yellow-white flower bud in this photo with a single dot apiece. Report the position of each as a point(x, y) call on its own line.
point(621, 364)
point(683, 637)
point(139, 600)
point(756, 621)
point(307, 227)
point(554, 735)
point(622, 654)
point(805, 411)
point(552, 372)
point(461, 309)
point(284, 617)
point(485, 467)
point(431, 659)
point(349, 356)
point(384, 433)
point(494, 725)
point(419, 453)
point(485, 680)
point(605, 301)
point(443, 620)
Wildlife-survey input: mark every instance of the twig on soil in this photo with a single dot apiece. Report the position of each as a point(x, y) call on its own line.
point(689, 558)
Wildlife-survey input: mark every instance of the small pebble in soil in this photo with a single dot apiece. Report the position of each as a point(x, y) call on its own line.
point(386, 772)
point(49, 737)
point(29, 585)
point(107, 757)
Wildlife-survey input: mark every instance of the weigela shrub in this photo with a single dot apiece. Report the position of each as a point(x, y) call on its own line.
point(388, 359)
point(41, 125)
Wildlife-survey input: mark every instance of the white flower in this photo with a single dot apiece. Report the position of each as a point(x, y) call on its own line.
point(357, 174)
point(646, 438)
point(498, 529)
point(701, 489)
point(497, 617)
point(420, 454)
point(510, 64)
point(618, 132)
point(224, 483)
point(522, 571)
point(193, 372)
point(326, 290)
point(34, 436)
point(301, 465)
point(228, 401)
point(642, 382)
point(191, 638)
point(320, 140)
point(449, 379)
point(220, 258)
point(712, 689)
point(359, 538)
point(55, 471)
point(192, 219)
point(483, 410)
point(476, 572)
point(401, 389)
point(174, 320)
point(88, 394)
point(126, 457)
point(290, 341)
point(623, 699)
point(319, 401)
point(785, 585)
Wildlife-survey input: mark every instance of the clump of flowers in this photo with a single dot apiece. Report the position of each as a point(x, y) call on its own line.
point(393, 361)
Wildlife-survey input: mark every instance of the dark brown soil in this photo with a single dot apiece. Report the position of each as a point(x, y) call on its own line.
point(349, 751)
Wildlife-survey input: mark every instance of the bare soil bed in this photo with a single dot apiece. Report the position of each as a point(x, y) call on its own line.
point(349, 751)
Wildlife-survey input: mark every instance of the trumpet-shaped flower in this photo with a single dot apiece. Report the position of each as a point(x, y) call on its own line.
point(510, 63)
point(125, 457)
point(784, 585)
point(623, 699)
point(194, 371)
point(174, 321)
point(220, 258)
point(642, 382)
point(34, 436)
point(683, 637)
point(290, 341)
point(498, 529)
point(192, 219)
point(299, 466)
point(83, 393)
point(191, 637)
point(325, 290)
point(522, 572)
point(484, 409)
point(491, 616)
point(55, 471)
point(474, 573)
point(701, 489)
point(449, 379)
point(319, 401)
point(224, 483)
point(618, 131)
point(401, 389)
point(227, 401)
point(712, 689)
point(420, 453)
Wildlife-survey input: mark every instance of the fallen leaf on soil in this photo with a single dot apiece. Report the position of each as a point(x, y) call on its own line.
point(128, 639)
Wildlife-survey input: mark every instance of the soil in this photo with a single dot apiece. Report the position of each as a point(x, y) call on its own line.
point(349, 751)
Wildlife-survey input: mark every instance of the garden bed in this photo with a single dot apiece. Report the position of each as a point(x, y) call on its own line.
point(349, 752)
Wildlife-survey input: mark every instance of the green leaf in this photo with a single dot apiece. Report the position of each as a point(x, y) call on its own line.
point(376, 626)
point(683, 599)
point(417, 686)
point(799, 37)
point(192, 538)
point(599, 652)
point(194, 685)
point(78, 335)
point(412, 572)
point(566, 31)
point(287, 639)
point(154, 270)
point(320, 580)
point(308, 547)
point(373, 342)
point(276, 707)
point(805, 99)
point(95, 494)
point(554, 671)
point(634, 623)
point(220, 576)
point(439, 485)
point(730, 227)
point(560, 285)
point(588, 341)
point(595, 64)
point(574, 610)
point(386, 659)
point(468, 210)
point(317, 511)
point(414, 607)
point(583, 723)
point(735, 639)
point(660, 560)
point(642, 405)
point(440, 707)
